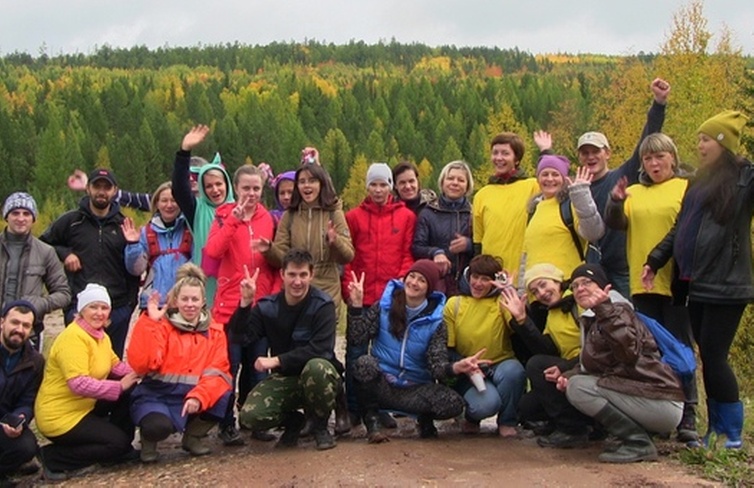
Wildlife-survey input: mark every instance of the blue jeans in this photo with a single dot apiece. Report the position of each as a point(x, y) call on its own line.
point(505, 381)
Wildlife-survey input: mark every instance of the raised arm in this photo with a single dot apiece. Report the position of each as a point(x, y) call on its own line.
point(590, 224)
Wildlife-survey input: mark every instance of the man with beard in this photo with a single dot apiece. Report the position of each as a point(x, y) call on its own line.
point(21, 370)
point(28, 266)
point(90, 242)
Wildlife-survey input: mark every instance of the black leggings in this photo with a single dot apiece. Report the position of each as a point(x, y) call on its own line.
point(714, 327)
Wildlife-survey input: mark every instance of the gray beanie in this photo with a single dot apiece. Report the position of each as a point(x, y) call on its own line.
point(380, 171)
point(20, 200)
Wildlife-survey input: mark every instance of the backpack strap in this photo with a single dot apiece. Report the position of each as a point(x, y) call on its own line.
point(566, 215)
point(153, 245)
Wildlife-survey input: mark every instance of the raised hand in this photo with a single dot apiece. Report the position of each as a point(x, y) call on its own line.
point(619, 193)
point(543, 140)
point(583, 175)
point(154, 311)
point(78, 180)
point(510, 301)
point(310, 153)
point(190, 407)
point(239, 211)
point(597, 296)
point(332, 234)
point(660, 90)
point(261, 245)
point(194, 137)
point(647, 278)
point(471, 364)
point(248, 286)
point(130, 231)
point(356, 290)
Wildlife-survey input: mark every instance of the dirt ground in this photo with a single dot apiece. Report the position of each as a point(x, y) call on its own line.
point(452, 459)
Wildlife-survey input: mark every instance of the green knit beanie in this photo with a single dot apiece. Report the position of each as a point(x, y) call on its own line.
point(725, 128)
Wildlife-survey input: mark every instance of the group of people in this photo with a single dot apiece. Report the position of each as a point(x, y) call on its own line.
point(522, 305)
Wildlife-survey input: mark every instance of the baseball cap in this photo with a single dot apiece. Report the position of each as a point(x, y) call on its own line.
point(596, 139)
point(102, 174)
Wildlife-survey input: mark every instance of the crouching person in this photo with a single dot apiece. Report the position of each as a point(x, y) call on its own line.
point(182, 355)
point(621, 381)
point(299, 324)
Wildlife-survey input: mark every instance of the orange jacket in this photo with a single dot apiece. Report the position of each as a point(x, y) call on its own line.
point(199, 359)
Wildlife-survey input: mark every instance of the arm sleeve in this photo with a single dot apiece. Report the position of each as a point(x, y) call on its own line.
point(663, 251)
point(437, 353)
point(56, 283)
point(363, 324)
point(477, 225)
point(620, 330)
point(422, 248)
point(246, 325)
point(148, 345)
point(320, 345)
point(55, 235)
point(536, 341)
point(282, 243)
point(615, 217)
point(408, 239)
point(215, 379)
point(137, 255)
point(137, 201)
point(182, 186)
point(590, 224)
point(221, 235)
point(25, 403)
point(655, 120)
point(89, 387)
point(342, 249)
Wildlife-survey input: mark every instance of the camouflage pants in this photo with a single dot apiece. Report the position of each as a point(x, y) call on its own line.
point(277, 395)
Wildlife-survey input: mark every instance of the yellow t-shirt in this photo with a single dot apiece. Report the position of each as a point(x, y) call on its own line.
point(548, 240)
point(500, 220)
point(478, 323)
point(564, 332)
point(651, 212)
point(74, 353)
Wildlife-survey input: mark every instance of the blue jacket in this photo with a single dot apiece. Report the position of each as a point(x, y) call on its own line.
point(18, 387)
point(162, 272)
point(406, 360)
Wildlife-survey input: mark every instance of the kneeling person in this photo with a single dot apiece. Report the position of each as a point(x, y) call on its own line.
point(299, 323)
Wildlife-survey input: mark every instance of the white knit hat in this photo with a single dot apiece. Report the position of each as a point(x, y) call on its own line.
point(92, 293)
point(380, 171)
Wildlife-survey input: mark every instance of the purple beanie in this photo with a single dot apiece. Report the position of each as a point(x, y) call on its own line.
point(554, 161)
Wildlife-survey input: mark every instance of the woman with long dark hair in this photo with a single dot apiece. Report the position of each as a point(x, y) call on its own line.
point(711, 245)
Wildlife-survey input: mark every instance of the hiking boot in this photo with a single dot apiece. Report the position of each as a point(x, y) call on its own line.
point(231, 436)
point(374, 434)
point(635, 443)
point(342, 420)
point(322, 435)
point(427, 429)
point(387, 420)
point(686, 431)
point(149, 452)
point(562, 440)
point(292, 425)
point(194, 435)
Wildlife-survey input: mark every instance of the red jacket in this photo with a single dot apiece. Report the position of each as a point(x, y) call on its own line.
point(382, 238)
point(229, 242)
point(170, 355)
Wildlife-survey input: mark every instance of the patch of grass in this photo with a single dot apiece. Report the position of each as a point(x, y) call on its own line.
point(734, 467)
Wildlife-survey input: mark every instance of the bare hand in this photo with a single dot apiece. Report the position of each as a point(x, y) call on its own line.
point(248, 286)
point(154, 311)
point(195, 136)
point(543, 140)
point(13, 432)
point(332, 234)
point(310, 152)
point(190, 407)
point(661, 90)
point(261, 245)
point(647, 278)
point(562, 383)
point(72, 263)
point(510, 300)
point(470, 365)
point(459, 244)
point(128, 381)
point(130, 231)
point(240, 211)
point(264, 363)
point(596, 297)
point(442, 262)
point(356, 290)
point(78, 180)
point(552, 374)
point(619, 192)
point(583, 175)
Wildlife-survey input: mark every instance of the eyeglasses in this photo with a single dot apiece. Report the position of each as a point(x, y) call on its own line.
point(580, 284)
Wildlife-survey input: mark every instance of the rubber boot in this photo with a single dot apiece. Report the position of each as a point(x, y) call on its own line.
point(292, 425)
point(635, 443)
point(374, 432)
point(148, 452)
point(193, 436)
point(342, 419)
point(322, 435)
point(731, 416)
point(713, 422)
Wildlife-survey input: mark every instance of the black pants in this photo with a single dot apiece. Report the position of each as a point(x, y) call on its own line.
point(16, 451)
point(103, 435)
point(546, 396)
point(714, 327)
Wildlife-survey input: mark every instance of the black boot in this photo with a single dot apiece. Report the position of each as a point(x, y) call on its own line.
point(374, 433)
point(427, 427)
point(292, 425)
point(322, 435)
point(686, 431)
point(342, 419)
point(635, 443)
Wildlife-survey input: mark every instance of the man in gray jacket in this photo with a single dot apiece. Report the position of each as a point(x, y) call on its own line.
point(29, 269)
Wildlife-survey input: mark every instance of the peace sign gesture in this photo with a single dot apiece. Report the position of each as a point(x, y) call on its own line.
point(471, 364)
point(154, 310)
point(356, 290)
point(248, 286)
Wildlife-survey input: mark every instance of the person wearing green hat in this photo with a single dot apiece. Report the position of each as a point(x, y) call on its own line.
point(711, 245)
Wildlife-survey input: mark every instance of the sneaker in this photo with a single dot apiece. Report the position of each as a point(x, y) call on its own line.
point(230, 436)
point(560, 440)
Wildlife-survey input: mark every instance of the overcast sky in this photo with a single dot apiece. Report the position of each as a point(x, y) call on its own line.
point(544, 26)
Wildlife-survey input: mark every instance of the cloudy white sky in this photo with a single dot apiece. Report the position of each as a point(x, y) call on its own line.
point(538, 26)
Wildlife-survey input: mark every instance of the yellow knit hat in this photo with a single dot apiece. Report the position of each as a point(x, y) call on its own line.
point(725, 128)
point(543, 270)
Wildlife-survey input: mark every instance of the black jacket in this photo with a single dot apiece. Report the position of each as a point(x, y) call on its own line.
point(294, 342)
point(721, 271)
point(18, 388)
point(99, 245)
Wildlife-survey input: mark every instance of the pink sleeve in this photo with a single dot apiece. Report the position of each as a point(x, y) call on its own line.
point(120, 370)
point(87, 386)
